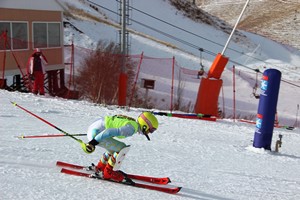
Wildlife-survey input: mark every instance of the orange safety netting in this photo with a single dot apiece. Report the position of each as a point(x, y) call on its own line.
point(172, 87)
point(175, 87)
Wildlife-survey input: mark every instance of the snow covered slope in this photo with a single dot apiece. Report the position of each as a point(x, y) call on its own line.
point(210, 160)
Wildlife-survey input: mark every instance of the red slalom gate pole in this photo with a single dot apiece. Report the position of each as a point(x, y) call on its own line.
point(47, 136)
point(67, 134)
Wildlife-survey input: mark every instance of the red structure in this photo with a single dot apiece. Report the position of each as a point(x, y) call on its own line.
point(122, 89)
point(209, 89)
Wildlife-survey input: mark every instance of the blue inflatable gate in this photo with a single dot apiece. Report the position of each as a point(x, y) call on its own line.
point(268, 98)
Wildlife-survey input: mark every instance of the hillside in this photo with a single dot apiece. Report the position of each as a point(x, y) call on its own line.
point(253, 52)
point(278, 20)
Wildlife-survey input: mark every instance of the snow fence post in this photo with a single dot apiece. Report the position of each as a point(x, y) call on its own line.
point(265, 119)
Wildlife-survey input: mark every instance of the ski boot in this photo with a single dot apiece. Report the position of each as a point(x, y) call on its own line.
point(109, 173)
point(100, 167)
point(103, 162)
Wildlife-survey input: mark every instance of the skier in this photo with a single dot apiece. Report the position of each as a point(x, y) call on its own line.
point(103, 131)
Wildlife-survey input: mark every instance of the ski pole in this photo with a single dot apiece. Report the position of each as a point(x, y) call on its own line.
point(83, 145)
point(47, 136)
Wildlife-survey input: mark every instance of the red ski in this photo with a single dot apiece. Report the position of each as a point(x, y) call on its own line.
point(129, 182)
point(156, 180)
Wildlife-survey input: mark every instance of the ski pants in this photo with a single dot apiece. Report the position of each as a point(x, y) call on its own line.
point(38, 85)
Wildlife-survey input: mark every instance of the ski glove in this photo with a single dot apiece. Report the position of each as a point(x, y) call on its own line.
point(93, 142)
point(90, 147)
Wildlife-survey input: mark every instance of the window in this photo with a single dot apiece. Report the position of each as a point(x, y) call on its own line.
point(54, 34)
point(39, 35)
point(4, 27)
point(17, 35)
point(46, 35)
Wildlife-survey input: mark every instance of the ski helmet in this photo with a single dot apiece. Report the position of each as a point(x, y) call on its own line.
point(148, 123)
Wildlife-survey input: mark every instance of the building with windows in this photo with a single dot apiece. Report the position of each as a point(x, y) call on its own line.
point(26, 25)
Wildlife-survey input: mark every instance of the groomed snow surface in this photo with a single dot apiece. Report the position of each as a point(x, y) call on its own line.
point(210, 160)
